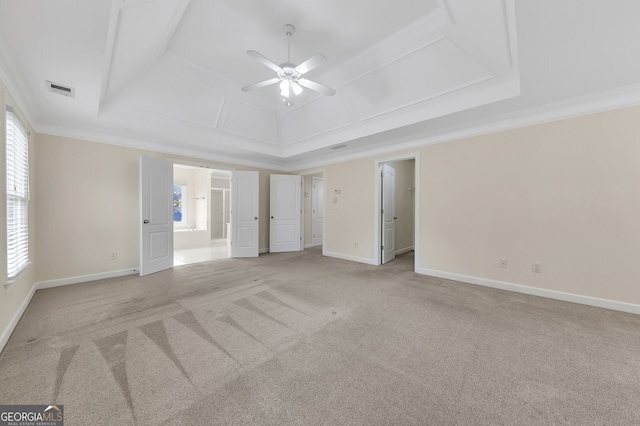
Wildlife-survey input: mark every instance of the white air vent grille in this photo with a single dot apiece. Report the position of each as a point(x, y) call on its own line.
point(69, 92)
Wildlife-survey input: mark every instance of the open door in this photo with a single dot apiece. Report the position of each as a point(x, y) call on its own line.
point(244, 214)
point(286, 213)
point(388, 213)
point(156, 211)
point(317, 215)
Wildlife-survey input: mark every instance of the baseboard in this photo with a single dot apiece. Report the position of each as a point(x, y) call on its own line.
point(41, 285)
point(535, 291)
point(404, 250)
point(263, 251)
point(308, 245)
point(351, 258)
point(7, 332)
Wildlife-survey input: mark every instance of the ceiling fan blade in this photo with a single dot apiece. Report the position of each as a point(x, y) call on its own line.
point(317, 87)
point(261, 84)
point(264, 60)
point(311, 63)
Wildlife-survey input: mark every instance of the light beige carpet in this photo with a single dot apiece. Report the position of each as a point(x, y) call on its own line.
point(302, 339)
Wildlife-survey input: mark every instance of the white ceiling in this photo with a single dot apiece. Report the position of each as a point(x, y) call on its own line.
point(166, 74)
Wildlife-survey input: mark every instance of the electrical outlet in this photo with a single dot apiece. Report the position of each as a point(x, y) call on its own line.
point(113, 255)
point(503, 263)
point(536, 267)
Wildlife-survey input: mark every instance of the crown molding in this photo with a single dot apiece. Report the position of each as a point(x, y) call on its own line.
point(157, 146)
point(621, 97)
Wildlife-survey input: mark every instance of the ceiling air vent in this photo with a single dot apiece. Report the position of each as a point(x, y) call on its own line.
point(69, 92)
point(339, 146)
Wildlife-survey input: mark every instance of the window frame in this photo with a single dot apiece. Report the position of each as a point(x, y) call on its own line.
point(17, 197)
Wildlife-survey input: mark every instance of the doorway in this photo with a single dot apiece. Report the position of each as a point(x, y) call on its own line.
point(396, 222)
point(201, 200)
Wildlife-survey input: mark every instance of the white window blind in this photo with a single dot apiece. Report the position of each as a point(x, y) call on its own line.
point(17, 196)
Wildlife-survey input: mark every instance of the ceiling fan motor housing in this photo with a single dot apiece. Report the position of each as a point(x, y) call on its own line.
point(288, 72)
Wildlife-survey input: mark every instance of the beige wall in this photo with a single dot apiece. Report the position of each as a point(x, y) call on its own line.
point(88, 206)
point(349, 216)
point(13, 299)
point(563, 193)
point(404, 203)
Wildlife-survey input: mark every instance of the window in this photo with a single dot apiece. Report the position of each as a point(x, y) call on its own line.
point(179, 204)
point(17, 196)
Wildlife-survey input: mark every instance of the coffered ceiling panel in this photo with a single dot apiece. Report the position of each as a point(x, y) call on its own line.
point(435, 69)
point(252, 122)
point(315, 118)
point(138, 34)
point(195, 98)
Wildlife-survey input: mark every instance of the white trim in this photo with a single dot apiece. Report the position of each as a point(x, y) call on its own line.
point(535, 291)
point(263, 250)
point(8, 331)
point(309, 245)
point(158, 146)
point(84, 278)
point(351, 258)
point(404, 250)
point(622, 97)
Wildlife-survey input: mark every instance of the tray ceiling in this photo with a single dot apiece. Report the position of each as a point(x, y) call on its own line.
point(166, 74)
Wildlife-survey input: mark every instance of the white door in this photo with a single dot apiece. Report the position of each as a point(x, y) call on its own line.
point(286, 213)
point(156, 215)
point(244, 214)
point(388, 213)
point(317, 214)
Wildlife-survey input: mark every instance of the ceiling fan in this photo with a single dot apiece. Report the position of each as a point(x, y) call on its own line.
point(290, 75)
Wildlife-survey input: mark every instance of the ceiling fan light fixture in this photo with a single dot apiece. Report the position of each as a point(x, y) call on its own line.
point(297, 89)
point(284, 88)
point(290, 76)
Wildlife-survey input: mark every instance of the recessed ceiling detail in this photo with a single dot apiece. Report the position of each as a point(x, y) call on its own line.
point(167, 74)
point(139, 32)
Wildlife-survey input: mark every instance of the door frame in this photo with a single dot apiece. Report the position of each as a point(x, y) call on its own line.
point(309, 175)
point(377, 206)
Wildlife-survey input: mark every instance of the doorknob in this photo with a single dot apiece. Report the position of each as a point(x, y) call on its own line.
point(145, 221)
point(395, 218)
point(255, 218)
point(271, 217)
